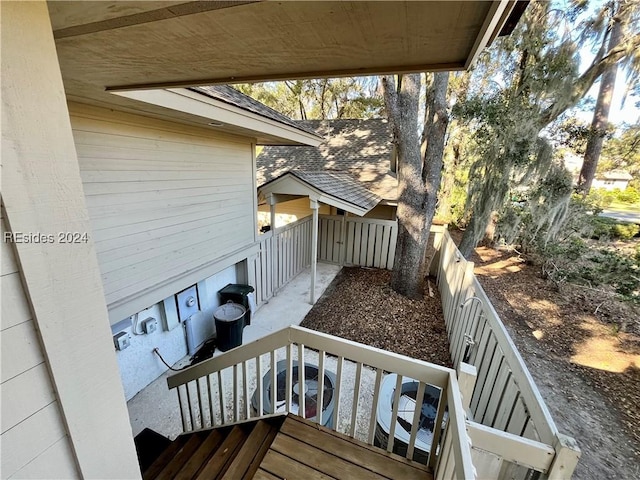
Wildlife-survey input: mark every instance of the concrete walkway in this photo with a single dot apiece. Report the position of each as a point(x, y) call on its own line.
point(156, 407)
point(627, 216)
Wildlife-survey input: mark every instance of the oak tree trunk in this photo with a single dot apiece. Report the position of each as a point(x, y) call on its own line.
point(419, 170)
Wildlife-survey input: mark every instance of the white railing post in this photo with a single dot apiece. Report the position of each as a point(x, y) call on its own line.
point(438, 235)
point(566, 458)
point(467, 375)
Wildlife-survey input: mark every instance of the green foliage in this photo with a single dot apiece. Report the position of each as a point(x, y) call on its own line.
point(629, 195)
point(626, 231)
point(602, 198)
point(622, 152)
point(608, 267)
point(603, 228)
point(325, 98)
point(599, 199)
point(579, 251)
point(523, 84)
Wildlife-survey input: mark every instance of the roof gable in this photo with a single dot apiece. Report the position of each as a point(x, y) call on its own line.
point(338, 189)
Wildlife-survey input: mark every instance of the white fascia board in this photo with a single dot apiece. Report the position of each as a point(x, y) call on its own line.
point(496, 18)
point(193, 103)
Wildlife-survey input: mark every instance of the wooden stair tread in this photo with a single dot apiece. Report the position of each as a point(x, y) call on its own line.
point(320, 460)
point(165, 457)
point(218, 463)
point(264, 475)
point(284, 467)
point(251, 453)
point(351, 450)
point(201, 455)
point(181, 457)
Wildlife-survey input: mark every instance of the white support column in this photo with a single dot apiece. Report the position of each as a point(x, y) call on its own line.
point(314, 249)
point(43, 196)
point(271, 200)
point(272, 209)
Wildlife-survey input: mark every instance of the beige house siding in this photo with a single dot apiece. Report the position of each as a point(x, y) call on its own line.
point(165, 200)
point(382, 212)
point(610, 184)
point(34, 439)
point(287, 212)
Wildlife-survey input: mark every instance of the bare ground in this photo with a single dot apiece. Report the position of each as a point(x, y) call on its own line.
point(582, 348)
point(585, 365)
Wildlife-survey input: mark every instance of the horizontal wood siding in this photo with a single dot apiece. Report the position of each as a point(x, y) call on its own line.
point(34, 440)
point(163, 199)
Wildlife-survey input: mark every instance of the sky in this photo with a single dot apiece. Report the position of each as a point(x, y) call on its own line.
point(620, 114)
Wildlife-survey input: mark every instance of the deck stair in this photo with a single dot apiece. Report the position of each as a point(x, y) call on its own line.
point(276, 448)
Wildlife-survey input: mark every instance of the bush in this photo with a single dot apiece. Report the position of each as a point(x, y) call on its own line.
point(603, 227)
point(599, 199)
point(609, 228)
point(626, 231)
point(629, 195)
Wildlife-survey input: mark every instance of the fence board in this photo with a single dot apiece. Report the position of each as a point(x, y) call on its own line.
point(357, 241)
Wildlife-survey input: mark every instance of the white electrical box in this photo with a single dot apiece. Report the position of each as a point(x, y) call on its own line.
point(169, 314)
point(149, 325)
point(121, 340)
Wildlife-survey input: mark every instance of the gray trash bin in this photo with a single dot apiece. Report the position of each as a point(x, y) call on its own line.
point(229, 323)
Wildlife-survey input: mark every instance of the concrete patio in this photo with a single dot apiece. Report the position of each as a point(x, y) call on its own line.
point(156, 407)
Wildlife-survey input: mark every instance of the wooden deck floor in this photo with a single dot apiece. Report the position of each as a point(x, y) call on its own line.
point(304, 450)
point(278, 448)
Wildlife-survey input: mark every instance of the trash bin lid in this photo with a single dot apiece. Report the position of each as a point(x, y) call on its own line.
point(237, 288)
point(229, 312)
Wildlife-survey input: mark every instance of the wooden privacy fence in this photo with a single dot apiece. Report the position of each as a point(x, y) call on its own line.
point(283, 254)
point(342, 240)
point(505, 397)
point(360, 241)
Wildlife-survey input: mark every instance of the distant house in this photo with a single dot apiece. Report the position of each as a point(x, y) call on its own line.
point(360, 149)
point(612, 179)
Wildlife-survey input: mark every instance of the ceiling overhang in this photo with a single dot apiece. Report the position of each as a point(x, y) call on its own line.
point(128, 45)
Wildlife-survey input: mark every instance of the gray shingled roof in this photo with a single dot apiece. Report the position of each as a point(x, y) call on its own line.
point(340, 185)
point(230, 95)
point(363, 148)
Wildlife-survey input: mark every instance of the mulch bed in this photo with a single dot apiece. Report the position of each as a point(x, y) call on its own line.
point(359, 305)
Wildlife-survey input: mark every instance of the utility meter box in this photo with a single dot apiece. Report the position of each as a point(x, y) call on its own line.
point(149, 325)
point(121, 340)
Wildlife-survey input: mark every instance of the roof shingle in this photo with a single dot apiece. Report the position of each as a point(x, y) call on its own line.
point(231, 96)
point(362, 148)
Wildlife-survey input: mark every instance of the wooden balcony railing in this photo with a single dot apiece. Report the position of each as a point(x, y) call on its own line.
point(220, 390)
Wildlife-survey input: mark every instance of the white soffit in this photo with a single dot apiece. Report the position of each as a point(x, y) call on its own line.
point(233, 119)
